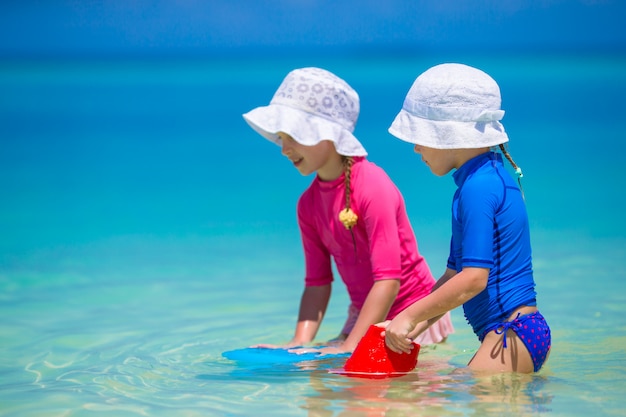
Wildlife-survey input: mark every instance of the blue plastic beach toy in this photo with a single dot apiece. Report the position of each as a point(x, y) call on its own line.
point(274, 356)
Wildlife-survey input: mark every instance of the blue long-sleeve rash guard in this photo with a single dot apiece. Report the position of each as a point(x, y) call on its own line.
point(490, 230)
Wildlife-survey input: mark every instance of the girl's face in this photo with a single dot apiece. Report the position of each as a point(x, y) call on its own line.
point(321, 158)
point(440, 161)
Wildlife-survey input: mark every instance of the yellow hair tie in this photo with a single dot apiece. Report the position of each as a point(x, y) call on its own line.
point(348, 218)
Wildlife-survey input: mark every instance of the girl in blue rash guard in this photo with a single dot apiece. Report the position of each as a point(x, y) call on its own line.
point(452, 115)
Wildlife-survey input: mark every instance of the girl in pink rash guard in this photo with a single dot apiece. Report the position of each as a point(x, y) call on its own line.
point(351, 213)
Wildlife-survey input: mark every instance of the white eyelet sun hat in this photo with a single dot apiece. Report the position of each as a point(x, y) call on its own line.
point(451, 106)
point(311, 105)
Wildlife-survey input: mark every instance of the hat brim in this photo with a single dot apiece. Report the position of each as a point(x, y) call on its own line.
point(305, 128)
point(447, 134)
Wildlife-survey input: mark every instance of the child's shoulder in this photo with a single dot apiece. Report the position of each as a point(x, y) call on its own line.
point(366, 168)
point(487, 184)
point(482, 180)
point(371, 180)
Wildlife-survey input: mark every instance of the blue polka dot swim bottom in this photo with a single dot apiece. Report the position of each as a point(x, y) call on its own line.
point(533, 331)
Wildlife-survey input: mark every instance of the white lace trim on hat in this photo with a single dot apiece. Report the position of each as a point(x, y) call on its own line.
point(454, 114)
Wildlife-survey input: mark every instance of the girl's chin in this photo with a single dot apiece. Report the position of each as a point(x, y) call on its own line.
point(304, 172)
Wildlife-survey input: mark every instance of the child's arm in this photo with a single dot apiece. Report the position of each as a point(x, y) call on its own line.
point(375, 309)
point(312, 309)
point(423, 325)
point(451, 293)
point(449, 273)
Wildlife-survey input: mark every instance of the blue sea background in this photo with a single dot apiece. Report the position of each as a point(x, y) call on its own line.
point(145, 229)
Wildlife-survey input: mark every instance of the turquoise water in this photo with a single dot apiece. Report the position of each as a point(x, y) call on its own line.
point(145, 229)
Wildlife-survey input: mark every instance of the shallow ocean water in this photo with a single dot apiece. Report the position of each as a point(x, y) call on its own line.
point(145, 229)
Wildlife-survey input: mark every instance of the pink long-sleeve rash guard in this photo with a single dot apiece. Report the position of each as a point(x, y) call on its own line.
point(386, 247)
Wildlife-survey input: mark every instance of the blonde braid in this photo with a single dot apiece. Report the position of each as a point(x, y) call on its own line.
point(517, 169)
point(347, 216)
point(348, 161)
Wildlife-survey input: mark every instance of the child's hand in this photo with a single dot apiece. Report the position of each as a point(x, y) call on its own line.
point(268, 346)
point(271, 346)
point(397, 335)
point(329, 350)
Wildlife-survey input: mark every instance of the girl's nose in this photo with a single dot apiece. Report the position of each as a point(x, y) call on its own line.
point(417, 149)
point(285, 147)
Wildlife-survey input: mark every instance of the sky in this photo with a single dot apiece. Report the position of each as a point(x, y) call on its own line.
point(32, 28)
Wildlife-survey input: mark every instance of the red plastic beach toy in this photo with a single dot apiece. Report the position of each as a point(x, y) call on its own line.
point(373, 359)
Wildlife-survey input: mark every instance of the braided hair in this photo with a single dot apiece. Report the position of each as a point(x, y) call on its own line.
point(517, 169)
point(347, 162)
point(347, 216)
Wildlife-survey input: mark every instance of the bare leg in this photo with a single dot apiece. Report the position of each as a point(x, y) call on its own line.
point(493, 357)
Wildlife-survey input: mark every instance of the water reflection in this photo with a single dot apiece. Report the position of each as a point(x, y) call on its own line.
point(435, 388)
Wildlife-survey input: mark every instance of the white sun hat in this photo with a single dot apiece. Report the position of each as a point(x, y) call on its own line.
point(311, 105)
point(451, 106)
